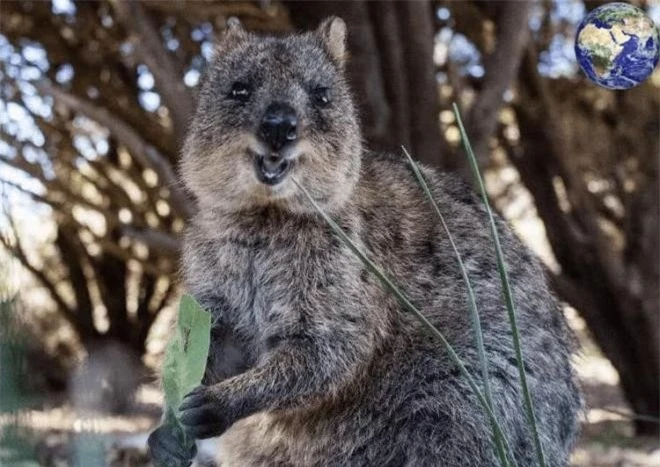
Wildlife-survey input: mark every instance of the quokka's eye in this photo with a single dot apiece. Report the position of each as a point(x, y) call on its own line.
point(320, 96)
point(240, 92)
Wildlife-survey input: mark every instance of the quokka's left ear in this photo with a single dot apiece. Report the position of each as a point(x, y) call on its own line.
point(332, 32)
point(233, 35)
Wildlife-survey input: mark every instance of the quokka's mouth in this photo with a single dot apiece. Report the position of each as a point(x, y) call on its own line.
point(272, 168)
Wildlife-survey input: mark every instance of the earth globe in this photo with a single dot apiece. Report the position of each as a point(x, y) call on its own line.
point(617, 46)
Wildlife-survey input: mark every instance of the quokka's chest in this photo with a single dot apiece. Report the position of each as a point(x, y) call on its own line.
point(262, 281)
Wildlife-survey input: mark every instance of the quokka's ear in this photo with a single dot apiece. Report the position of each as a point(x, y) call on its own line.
point(233, 35)
point(332, 32)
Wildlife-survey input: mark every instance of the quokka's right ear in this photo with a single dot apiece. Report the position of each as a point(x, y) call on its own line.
point(233, 35)
point(333, 34)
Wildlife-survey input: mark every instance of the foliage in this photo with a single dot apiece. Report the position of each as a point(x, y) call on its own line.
point(185, 361)
point(15, 449)
point(11, 359)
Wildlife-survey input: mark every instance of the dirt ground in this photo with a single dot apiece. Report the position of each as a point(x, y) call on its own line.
point(57, 436)
point(607, 438)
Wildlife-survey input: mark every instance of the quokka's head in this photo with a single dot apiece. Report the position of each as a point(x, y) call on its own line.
point(272, 110)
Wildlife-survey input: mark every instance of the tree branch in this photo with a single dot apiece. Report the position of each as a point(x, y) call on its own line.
point(385, 20)
point(268, 17)
point(144, 318)
point(53, 187)
point(34, 196)
point(416, 32)
point(160, 242)
point(501, 67)
point(143, 152)
point(71, 255)
point(18, 252)
point(150, 49)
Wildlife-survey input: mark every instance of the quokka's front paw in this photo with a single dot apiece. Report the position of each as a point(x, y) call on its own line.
point(204, 413)
point(167, 449)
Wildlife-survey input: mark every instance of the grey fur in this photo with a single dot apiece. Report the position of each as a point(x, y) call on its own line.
point(313, 363)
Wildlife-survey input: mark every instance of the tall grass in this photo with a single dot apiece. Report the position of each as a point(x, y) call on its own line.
point(502, 448)
point(506, 290)
point(472, 303)
point(498, 433)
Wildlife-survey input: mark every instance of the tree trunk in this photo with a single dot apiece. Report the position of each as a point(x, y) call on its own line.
point(616, 292)
point(72, 255)
point(501, 67)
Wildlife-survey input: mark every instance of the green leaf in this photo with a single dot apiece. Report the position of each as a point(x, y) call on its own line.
point(187, 351)
point(185, 363)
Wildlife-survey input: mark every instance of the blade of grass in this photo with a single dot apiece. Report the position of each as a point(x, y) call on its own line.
point(388, 284)
point(508, 296)
point(474, 312)
point(632, 415)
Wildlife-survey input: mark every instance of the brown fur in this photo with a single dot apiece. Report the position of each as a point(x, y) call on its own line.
point(313, 363)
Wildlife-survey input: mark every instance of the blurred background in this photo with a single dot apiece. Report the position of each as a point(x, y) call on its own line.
point(94, 102)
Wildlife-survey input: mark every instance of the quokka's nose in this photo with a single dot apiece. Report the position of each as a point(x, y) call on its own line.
point(279, 125)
